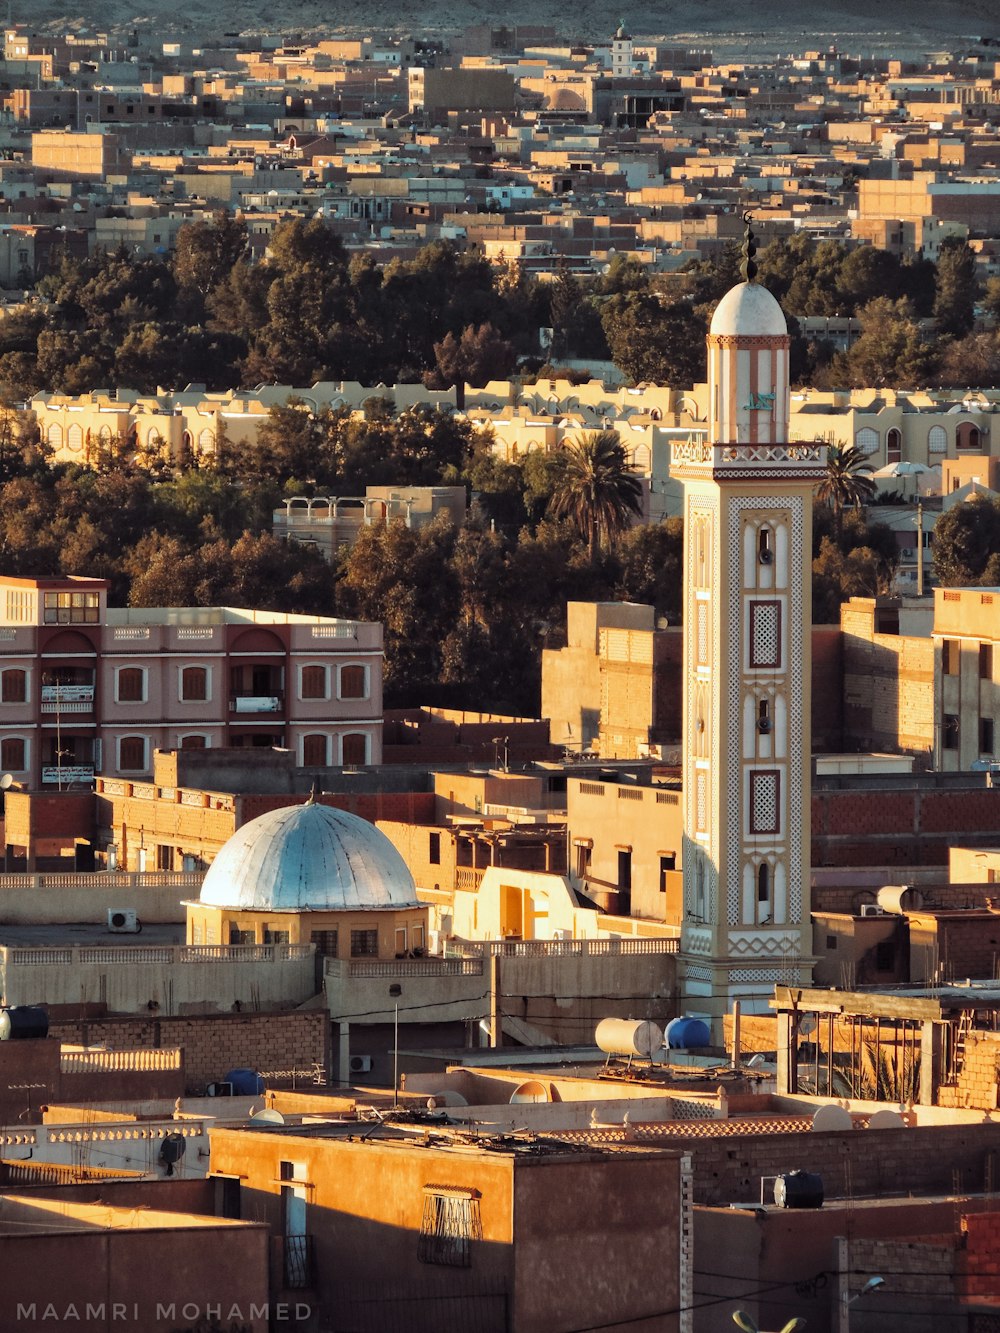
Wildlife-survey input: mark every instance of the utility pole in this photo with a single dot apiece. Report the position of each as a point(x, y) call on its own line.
point(920, 548)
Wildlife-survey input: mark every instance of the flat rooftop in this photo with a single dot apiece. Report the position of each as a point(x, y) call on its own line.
point(57, 935)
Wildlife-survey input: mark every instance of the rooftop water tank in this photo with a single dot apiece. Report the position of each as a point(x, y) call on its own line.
point(245, 1082)
point(23, 1020)
point(626, 1036)
point(685, 1034)
point(798, 1189)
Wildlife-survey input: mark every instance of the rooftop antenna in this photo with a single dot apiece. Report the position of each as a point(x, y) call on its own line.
point(748, 268)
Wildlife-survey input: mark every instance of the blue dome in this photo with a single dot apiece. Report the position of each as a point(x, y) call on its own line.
point(309, 858)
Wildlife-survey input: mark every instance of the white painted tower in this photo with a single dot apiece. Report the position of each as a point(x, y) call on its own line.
point(747, 650)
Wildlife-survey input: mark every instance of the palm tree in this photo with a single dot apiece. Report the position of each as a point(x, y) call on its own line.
point(848, 483)
point(596, 490)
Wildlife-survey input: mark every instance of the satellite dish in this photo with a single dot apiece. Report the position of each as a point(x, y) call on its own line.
point(6, 782)
point(269, 1117)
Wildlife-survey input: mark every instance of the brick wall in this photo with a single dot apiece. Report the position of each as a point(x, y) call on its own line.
point(928, 1159)
point(900, 827)
point(214, 1044)
point(977, 1082)
point(978, 1276)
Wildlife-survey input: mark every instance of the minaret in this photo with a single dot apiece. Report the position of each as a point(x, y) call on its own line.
point(747, 648)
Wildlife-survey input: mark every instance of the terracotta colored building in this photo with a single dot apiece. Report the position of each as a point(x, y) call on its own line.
point(457, 1232)
point(87, 688)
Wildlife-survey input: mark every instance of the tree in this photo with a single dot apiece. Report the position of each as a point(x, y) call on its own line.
point(889, 349)
point(596, 492)
point(839, 575)
point(957, 288)
point(206, 252)
point(965, 538)
point(971, 362)
point(847, 482)
point(654, 342)
point(651, 558)
point(478, 356)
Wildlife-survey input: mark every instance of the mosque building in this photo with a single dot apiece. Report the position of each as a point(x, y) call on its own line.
point(747, 666)
point(310, 874)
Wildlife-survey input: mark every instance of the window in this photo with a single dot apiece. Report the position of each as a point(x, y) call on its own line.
point(937, 440)
point(450, 1221)
point(14, 687)
point(885, 956)
point(132, 754)
point(867, 440)
point(986, 661)
point(364, 943)
point(831, 941)
point(352, 682)
point(314, 682)
point(765, 634)
point(949, 731)
point(986, 736)
point(355, 750)
point(272, 936)
point(764, 716)
point(967, 436)
point(624, 871)
point(668, 862)
point(237, 936)
point(949, 657)
point(325, 942)
point(434, 850)
point(13, 754)
point(763, 883)
point(194, 683)
point(314, 751)
point(74, 436)
point(164, 857)
point(71, 608)
point(194, 742)
point(583, 856)
point(131, 685)
point(765, 801)
point(893, 446)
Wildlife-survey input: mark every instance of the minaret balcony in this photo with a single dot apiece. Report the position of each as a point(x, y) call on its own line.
point(720, 459)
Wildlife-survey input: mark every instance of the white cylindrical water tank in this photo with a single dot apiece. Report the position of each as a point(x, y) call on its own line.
point(627, 1036)
point(900, 898)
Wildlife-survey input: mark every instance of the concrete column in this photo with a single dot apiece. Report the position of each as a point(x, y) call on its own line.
point(344, 1054)
point(496, 1016)
point(788, 1045)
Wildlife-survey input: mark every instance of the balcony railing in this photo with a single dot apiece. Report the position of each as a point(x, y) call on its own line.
point(141, 955)
point(353, 968)
point(256, 703)
point(471, 949)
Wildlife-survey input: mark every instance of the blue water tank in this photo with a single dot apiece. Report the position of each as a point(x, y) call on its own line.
point(246, 1082)
point(688, 1034)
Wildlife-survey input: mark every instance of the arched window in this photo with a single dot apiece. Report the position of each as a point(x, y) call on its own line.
point(13, 754)
point(893, 446)
point(74, 436)
point(14, 686)
point(763, 883)
point(154, 440)
point(195, 741)
point(131, 685)
point(55, 435)
point(132, 754)
point(353, 684)
point(314, 682)
point(194, 683)
point(355, 750)
point(314, 751)
point(867, 440)
point(968, 436)
point(764, 716)
point(104, 435)
point(937, 440)
point(206, 439)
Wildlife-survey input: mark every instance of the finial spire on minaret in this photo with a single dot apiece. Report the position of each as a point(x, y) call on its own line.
point(748, 268)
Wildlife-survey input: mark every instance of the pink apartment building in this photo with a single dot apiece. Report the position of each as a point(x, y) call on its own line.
point(88, 688)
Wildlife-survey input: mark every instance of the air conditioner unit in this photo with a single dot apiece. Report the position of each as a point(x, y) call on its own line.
point(123, 921)
point(908, 553)
point(872, 909)
point(361, 1064)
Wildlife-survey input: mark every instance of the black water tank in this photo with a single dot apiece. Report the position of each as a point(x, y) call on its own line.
point(798, 1189)
point(23, 1020)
